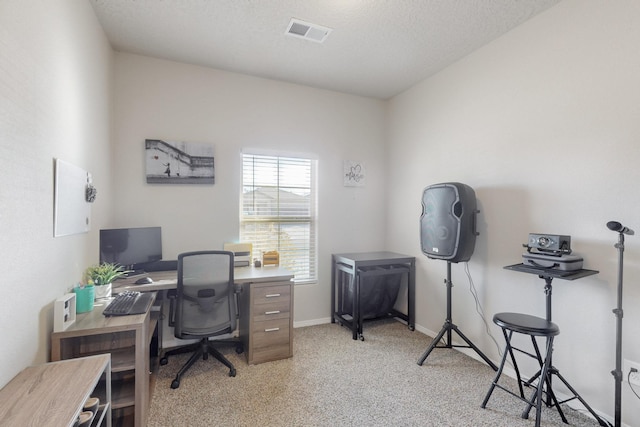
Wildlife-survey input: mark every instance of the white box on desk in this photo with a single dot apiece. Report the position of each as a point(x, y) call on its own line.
point(64, 312)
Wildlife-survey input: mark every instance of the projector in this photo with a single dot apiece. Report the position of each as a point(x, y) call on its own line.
point(549, 242)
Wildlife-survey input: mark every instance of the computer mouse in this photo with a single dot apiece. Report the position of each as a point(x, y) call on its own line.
point(144, 281)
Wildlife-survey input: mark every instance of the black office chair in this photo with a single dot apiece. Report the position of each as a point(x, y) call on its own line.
point(204, 305)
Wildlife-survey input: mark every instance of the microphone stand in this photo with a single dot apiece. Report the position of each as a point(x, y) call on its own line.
point(617, 374)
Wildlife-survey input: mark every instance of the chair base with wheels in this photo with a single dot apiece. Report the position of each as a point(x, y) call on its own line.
point(535, 327)
point(203, 349)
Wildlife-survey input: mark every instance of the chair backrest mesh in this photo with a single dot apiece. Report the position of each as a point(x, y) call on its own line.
point(205, 304)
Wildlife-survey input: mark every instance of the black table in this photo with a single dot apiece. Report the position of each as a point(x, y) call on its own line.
point(349, 271)
point(548, 274)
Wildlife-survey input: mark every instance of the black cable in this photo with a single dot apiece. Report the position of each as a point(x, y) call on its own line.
point(631, 385)
point(479, 310)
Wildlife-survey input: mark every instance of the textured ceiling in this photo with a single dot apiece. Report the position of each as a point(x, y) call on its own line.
point(378, 48)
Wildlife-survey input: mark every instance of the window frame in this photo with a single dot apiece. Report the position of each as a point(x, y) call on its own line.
point(282, 219)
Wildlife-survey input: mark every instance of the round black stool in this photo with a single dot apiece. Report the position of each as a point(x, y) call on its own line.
point(532, 326)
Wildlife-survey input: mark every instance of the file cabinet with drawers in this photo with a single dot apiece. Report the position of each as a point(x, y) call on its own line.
point(266, 320)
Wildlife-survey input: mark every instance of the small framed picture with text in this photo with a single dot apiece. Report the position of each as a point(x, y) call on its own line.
point(354, 174)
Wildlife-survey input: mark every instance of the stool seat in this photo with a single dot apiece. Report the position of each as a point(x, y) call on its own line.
point(526, 324)
point(536, 328)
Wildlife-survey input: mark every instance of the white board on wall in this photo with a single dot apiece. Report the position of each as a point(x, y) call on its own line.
point(72, 212)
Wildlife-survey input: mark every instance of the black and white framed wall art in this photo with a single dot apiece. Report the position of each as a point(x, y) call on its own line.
point(354, 174)
point(171, 162)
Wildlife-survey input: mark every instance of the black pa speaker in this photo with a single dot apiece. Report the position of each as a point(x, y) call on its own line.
point(448, 221)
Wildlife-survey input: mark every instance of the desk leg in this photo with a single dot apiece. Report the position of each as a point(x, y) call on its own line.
point(333, 289)
point(357, 321)
point(411, 292)
point(548, 290)
point(157, 309)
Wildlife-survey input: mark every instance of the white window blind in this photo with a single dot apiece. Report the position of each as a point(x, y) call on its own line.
point(279, 210)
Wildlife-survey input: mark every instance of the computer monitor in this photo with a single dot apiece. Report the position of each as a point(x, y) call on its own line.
point(133, 248)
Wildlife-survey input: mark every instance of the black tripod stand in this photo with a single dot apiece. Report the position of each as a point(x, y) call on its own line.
point(617, 374)
point(450, 326)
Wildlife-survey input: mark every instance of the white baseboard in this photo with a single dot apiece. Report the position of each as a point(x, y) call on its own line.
point(313, 322)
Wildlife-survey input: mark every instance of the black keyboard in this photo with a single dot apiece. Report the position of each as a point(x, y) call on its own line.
point(129, 302)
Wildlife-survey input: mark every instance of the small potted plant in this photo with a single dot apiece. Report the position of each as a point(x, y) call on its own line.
point(102, 276)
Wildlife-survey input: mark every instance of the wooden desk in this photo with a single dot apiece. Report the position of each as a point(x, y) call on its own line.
point(53, 394)
point(127, 339)
point(163, 280)
point(265, 308)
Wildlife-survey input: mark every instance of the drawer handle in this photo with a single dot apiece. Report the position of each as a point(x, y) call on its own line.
point(272, 329)
point(272, 312)
point(271, 295)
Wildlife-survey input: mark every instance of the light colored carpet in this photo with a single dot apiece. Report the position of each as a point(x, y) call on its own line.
point(333, 380)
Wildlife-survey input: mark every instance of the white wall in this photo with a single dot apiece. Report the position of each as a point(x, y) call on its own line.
point(55, 90)
point(543, 124)
point(178, 102)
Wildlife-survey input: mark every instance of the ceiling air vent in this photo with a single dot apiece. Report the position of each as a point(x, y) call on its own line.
point(308, 31)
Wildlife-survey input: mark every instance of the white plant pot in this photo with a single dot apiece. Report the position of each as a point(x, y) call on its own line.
point(103, 291)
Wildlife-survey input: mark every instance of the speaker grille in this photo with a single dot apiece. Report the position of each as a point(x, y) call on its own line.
point(440, 226)
point(447, 224)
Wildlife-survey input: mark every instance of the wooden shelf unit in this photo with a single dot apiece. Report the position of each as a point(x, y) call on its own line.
point(54, 393)
point(127, 340)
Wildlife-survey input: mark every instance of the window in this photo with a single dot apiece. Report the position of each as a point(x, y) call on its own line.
point(279, 210)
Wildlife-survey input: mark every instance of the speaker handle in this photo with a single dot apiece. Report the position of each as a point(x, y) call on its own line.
point(475, 222)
